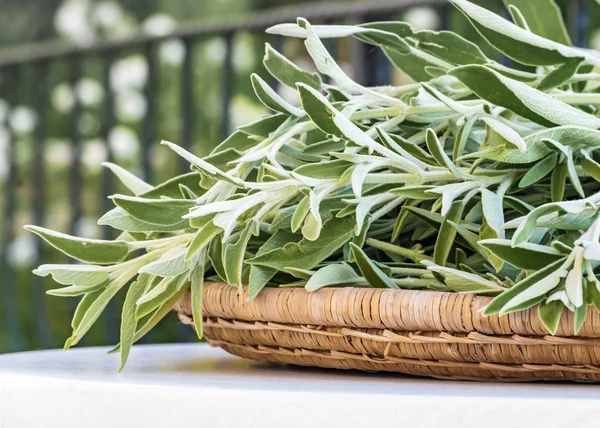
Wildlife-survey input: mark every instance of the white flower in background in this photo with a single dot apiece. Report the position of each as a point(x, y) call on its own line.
point(244, 57)
point(172, 52)
point(89, 124)
point(86, 227)
point(106, 13)
point(130, 72)
point(62, 97)
point(22, 250)
point(159, 24)
point(214, 50)
point(89, 91)
point(131, 105)
point(71, 21)
point(124, 142)
point(93, 154)
point(22, 119)
point(243, 110)
point(58, 154)
point(422, 18)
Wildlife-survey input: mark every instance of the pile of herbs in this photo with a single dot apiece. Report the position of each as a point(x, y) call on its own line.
point(479, 178)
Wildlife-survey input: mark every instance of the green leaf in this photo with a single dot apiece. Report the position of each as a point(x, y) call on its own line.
point(324, 170)
point(549, 314)
point(215, 253)
point(560, 75)
point(261, 128)
point(437, 151)
point(119, 219)
point(521, 98)
point(525, 256)
point(86, 250)
point(171, 264)
point(164, 212)
point(197, 287)
point(300, 213)
point(136, 185)
point(460, 281)
point(374, 276)
point(558, 181)
point(233, 254)
point(161, 293)
point(80, 275)
point(286, 71)
point(543, 18)
point(307, 254)
point(272, 99)
point(85, 320)
point(171, 188)
point(501, 301)
point(539, 171)
point(202, 238)
point(450, 47)
point(516, 43)
point(334, 275)
point(84, 304)
point(128, 320)
point(590, 166)
point(447, 233)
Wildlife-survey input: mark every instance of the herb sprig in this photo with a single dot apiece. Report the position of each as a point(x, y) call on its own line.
point(479, 178)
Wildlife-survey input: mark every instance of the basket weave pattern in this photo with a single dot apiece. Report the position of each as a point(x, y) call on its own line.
point(425, 333)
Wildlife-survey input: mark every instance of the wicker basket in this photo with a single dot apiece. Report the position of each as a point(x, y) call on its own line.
point(426, 333)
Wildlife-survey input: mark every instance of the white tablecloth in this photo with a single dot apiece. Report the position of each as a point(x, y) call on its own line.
point(198, 386)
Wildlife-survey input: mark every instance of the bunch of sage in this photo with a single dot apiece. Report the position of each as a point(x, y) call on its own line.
point(478, 178)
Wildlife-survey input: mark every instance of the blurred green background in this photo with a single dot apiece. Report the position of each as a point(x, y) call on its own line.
point(84, 109)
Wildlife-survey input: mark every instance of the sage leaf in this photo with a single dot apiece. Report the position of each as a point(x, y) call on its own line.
point(374, 276)
point(333, 275)
point(86, 250)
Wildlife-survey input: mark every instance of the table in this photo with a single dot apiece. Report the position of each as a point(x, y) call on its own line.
point(193, 385)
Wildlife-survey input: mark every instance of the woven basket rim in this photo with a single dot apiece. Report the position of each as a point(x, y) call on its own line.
point(406, 310)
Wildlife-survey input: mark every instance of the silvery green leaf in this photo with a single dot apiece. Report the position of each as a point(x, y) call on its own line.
point(233, 253)
point(460, 281)
point(567, 151)
point(202, 165)
point(119, 219)
point(172, 263)
point(560, 75)
point(300, 273)
point(133, 183)
point(521, 98)
point(300, 213)
point(516, 43)
point(80, 275)
point(518, 17)
point(450, 47)
point(86, 319)
point(201, 239)
point(163, 212)
point(501, 301)
point(415, 192)
point(543, 18)
point(493, 211)
point(128, 320)
point(215, 254)
point(525, 256)
point(86, 250)
point(539, 171)
point(307, 254)
point(272, 99)
point(437, 151)
point(171, 187)
point(447, 233)
point(371, 272)
point(590, 166)
point(74, 290)
point(549, 313)
point(261, 275)
point(286, 71)
point(574, 279)
point(506, 132)
point(163, 292)
point(196, 288)
point(334, 275)
point(261, 128)
point(558, 181)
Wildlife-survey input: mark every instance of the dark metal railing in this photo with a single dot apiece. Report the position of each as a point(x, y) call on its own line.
point(27, 318)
